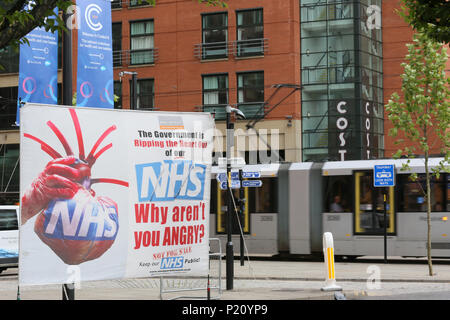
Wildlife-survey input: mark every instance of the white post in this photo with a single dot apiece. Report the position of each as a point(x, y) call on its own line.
point(328, 253)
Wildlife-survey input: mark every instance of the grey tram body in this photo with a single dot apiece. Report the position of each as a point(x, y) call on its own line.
point(297, 226)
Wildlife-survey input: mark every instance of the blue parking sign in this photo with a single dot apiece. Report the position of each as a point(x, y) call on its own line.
point(384, 175)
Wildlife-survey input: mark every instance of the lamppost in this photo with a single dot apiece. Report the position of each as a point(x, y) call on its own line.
point(133, 87)
point(229, 220)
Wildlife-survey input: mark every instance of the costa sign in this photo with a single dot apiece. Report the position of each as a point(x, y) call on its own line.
point(342, 125)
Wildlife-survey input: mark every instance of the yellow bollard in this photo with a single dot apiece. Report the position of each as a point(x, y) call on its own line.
point(328, 253)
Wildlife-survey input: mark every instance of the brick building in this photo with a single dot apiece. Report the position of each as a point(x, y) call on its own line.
point(345, 55)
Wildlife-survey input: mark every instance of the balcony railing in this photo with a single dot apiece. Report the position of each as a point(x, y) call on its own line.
point(239, 49)
point(213, 50)
point(248, 48)
point(252, 110)
point(117, 4)
point(217, 110)
point(135, 57)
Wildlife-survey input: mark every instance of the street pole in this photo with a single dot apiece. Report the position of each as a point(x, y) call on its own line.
point(133, 105)
point(68, 290)
point(134, 80)
point(241, 218)
point(229, 221)
point(385, 226)
point(67, 64)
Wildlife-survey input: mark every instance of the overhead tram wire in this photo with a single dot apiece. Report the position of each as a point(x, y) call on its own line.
point(251, 124)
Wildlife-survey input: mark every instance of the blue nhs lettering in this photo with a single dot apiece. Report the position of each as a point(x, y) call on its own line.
point(73, 220)
point(170, 180)
point(172, 263)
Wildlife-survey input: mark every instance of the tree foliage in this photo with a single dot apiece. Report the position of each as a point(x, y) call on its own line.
point(19, 17)
point(423, 115)
point(432, 17)
point(425, 108)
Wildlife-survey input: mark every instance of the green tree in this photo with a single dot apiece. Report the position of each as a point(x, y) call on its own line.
point(423, 115)
point(19, 17)
point(432, 17)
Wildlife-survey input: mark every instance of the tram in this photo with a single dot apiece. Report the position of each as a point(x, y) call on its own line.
point(298, 202)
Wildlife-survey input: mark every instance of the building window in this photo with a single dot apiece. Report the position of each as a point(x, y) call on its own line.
point(8, 107)
point(215, 95)
point(142, 42)
point(117, 43)
point(145, 94)
point(251, 94)
point(9, 170)
point(214, 35)
point(116, 4)
point(250, 33)
point(9, 60)
point(136, 3)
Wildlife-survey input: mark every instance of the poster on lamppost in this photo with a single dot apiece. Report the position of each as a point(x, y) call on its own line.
point(38, 67)
point(108, 194)
point(95, 84)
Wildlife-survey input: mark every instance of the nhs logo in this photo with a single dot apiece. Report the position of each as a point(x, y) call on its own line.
point(170, 180)
point(172, 263)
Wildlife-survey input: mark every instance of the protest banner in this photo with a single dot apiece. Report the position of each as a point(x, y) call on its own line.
point(116, 193)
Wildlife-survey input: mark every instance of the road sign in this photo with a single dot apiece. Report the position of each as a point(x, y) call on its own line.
point(252, 183)
point(251, 174)
point(223, 176)
point(384, 175)
point(235, 184)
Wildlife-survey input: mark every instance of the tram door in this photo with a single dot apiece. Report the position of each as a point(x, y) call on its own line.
point(369, 206)
point(222, 211)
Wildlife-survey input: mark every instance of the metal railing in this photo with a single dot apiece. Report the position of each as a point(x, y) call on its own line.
point(252, 47)
point(213, 50)
point(184, 284)
point(118, 4)
point(135, 57)
point(238, 49)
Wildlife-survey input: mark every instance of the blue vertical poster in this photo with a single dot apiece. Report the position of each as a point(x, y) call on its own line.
point(38, 68)
point(95, 85)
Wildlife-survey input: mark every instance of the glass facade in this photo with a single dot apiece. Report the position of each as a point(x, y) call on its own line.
point(9, 173)
point(341, 70)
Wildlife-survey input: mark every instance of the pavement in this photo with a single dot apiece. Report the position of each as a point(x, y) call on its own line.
point(264, 279)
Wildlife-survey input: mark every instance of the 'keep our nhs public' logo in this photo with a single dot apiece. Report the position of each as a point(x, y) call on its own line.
point(91, 15)
point(172, 263)
point(170, 180)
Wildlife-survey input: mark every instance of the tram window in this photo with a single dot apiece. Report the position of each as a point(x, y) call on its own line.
point(337, 195)
point(413, 193)
point(265, 198)
point(369, 206)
